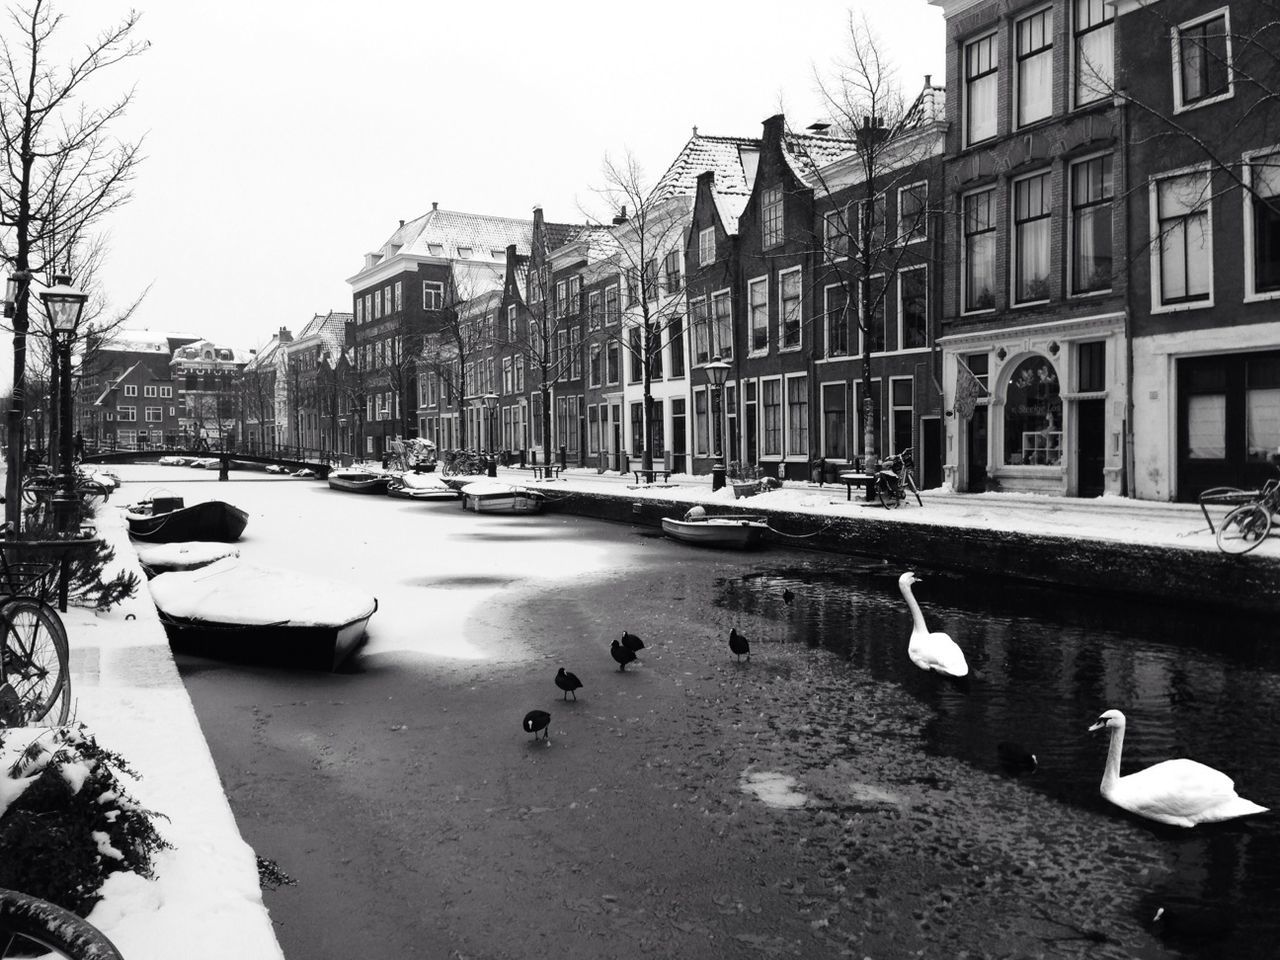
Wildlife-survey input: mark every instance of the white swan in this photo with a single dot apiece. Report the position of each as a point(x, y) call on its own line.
point(1180, 792)
point(930, 651)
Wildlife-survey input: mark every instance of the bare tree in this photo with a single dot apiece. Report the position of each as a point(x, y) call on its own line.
point(464, 335)
point(62, 171)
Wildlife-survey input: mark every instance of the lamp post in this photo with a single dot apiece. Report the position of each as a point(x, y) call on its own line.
point(490, 406)
point(717, 372)
point(64, 304)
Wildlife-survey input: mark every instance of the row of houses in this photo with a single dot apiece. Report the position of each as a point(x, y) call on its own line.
point(1058, 272)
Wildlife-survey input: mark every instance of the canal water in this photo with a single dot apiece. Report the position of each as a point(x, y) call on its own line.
point(824, 798)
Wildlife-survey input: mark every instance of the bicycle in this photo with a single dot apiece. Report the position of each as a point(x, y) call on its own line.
point(462, 463)
point(1248, 524)
point(35, 679)
point(894, 479)
point(31, 927)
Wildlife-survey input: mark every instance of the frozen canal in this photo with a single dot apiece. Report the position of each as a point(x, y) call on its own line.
point(826, 799)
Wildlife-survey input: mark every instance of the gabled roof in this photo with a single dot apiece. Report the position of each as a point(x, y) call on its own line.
point(265, 356)
point(452, 233)
point(144, 341)
point(806, 154)
point(732, 159)
point(730, 207)
point(480, 304)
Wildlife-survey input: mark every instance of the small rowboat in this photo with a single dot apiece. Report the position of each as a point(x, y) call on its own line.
point(358, 481)
point(420, 486)
point(736, 532)
point(167, 520)
point(491, 496)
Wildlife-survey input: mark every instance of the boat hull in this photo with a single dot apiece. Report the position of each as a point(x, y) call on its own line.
point(515, 502)
point(212, 520)
point(314, 647)
point(376, 485)
point(730, 532)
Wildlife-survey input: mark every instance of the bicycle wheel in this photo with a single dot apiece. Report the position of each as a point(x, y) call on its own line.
point(92, 493)
point(1244, 528)
point(30, 927)
point(911, 484)
point(889, 498)
point(36, 489)
point(34, 659)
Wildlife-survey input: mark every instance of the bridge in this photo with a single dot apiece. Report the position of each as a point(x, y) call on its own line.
point(304, 459)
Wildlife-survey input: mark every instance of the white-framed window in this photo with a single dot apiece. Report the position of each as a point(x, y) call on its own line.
point(872, 292)
point(913, 308)
point(671, 265)
point(913, 204)
point(1092, 194)
point(979, 250)
point(1262, 225)
point(1182, 241)
point(574, 294)
point(561, 294)
point(612, 362)
point(166, 392)
point(722, 324)
point(1093, 50)
point(612, 314)
point(879, 216)
point(155, 414)
point(706, 246)
point(789, 309)
point(797, 416)
point(1034, 67)
point(595, 318)
point(981, 75)
point(127, 414)
point(701, 422)
point(432, 295)
point(837, 232)
point(465, 253)
point(359, 311)
point(368, 306)
point(511, 321)
point(1031, 220)
point(519, 372)
point(1202, 70)
point(836, 325)
point(771, 416)
point(171, 412)
point(130, 389)
point(150, 391)
point(595, 373)
point(377, 304)
point(700, 326)
point(771, 230)
point(758, 314)
point(901, 413)
point(399, 292)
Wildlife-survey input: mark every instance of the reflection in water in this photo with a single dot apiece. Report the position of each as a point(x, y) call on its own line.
point(1045, 665)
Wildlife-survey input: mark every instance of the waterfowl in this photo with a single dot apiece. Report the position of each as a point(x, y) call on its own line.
point(536, 720)
point(622, 655)
point(1189, 921)
point(1180, 792)
point(738, 644)
point(787, 596)
point(632, 642)
point(1016, 757)
point(930, 651)
point(567, 682)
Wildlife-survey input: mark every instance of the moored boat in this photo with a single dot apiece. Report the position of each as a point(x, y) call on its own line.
point(354, 480)
point(235, 610)
point(420, 486)
point(493, 496)
point(738, 532)
point(158, 558)
point(169, 520)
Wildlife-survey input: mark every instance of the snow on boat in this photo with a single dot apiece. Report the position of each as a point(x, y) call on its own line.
point(358, 481)
point(174, 461)
point(158, 558)
point(493, 496)
point(236, 610)
point(739, 532)
point(168, 520)
point(420, 486)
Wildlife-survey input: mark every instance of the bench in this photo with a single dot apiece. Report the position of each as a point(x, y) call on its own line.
point(636, 466)
point(852, 479)
point(546, 471)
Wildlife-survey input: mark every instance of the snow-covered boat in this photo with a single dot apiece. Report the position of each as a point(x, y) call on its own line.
point(205, 463)
point(169, 520)
point(236, 610)
point(158, 558)
point(738, 532)
point(174, 461)
point(493, 496)
point(353, 480)
point(420, 486)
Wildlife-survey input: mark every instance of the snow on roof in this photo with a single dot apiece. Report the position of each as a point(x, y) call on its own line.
point(143, 341)
point(730, 207)
point(806, 154)
point(462, 236)
point(724, 155)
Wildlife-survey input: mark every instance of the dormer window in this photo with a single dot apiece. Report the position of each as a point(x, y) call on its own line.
point(464, 253)
point(435, 249)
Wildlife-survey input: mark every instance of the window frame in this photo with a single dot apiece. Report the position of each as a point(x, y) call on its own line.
point(718, 344)
point(1181, 105)
point(992, 37)
point(789, 441)
point(784, 276)
point(752, 349)
point(1014, 238)
point(1072, 208)
point(706, 245)
point(1158, 305)
point(915, 268)
point(772, 216)
point(992, 228)
point(880, 277)
point(1107, 22)
point(1019, 58)
point(827, 352)
point(1251, 292)
point(921, 230)
point(435, 287)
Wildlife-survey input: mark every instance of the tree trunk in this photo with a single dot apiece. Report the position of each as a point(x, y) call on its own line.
point(546, 422)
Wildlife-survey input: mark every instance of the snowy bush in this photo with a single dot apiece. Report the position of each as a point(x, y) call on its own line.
point(66, 820)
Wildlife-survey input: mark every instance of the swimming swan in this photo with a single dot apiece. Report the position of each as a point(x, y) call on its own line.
point(930, 651)
point(1180, 792)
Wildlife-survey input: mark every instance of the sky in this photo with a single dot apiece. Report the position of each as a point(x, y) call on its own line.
point(286, 139)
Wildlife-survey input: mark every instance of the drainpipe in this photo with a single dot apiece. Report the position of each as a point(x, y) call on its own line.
point(1127, 453)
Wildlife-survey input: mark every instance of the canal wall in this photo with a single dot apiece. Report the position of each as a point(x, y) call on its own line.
point(1155, 572)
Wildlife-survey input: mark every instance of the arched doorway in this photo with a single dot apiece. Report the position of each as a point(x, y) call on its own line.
point(1033, 415)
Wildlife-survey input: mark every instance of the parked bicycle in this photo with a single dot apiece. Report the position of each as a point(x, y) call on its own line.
point(894, 480)
point(1248, 524)
point(31, 927)
point(461, 463)
point(35, 680)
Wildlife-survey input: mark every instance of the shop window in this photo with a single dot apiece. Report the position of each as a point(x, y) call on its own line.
point(1207, 426)
point(1033, 415)
point(1262, 408)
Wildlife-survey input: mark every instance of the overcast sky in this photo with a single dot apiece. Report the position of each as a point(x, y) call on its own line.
point(284, 139)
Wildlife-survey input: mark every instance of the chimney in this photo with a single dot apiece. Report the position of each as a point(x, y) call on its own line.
point(928, 80)
point(284, 336)
point(621, 216)
point(774, 127)
point(402, 223)
point(434, 206)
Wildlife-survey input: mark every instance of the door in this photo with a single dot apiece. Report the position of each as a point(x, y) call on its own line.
point(1091, 447)
point(976, 481)
point(929, 464)
point(834, 422)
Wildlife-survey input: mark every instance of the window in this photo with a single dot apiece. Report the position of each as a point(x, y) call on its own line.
point(149, 391)
point(706, 246)
point(771, 396)
point(700, 431)
point(155, 414)
point(675, 337)
point(789, 308)
point(594, 366)
point(836, 239)
point(797, 416)
point(722, 313)
point(636, 355)
point(1094, 55)
point(575, 352)
point(432, 295)
point(595, 318)
point(649, 279)
point(1035, 67)
point(1262, 225)
point(979, 250)
point(1262, 407)
point(359, 310)
point(130, 389)
point(611, 362)
point(873, 295)
point(1031, 239)
point(913, 302)
point(981, 63)
point(574, 293)
point(701, 331)
point(671, 271)
point(900, 413)
point(465, 253)
point(611, 312)
point(399, 294)
point(1033, 415)
point(758, 306)
point(1091, 196)
point(835, 422)
point(377, 304)
point(127, 414)
point(771, 217)
point(878, 218)
point(1202, 55)
point(637, 429)
point(561, 294)
point(166, 391)
point(912, 202)
point(1183, 244)
point(368, 306)
point(1091, 366)
point(837, 323)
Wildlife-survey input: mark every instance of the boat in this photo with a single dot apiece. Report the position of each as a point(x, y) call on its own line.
point(739, 532)
point(235, 610)
point(158, 558)
point(420, 486)
point(169, 520)
point(493, 496)
point(354, 480)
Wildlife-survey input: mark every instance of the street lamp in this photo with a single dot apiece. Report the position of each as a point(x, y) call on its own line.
point(64, 303)
point(717, 372)
point(491, 406)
